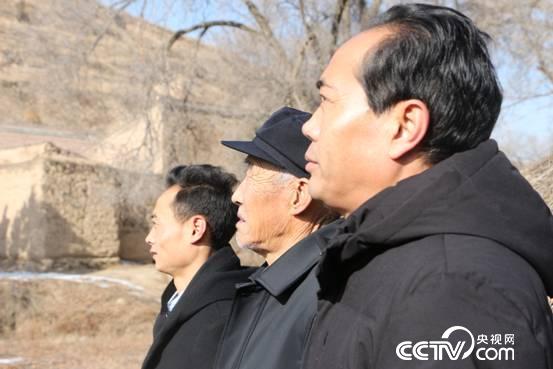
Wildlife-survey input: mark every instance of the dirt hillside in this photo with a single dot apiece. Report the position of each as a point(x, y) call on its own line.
point(541, 177)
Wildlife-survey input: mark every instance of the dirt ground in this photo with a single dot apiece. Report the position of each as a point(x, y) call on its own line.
point(98, 320)
point(95, 320)
point(76, 352)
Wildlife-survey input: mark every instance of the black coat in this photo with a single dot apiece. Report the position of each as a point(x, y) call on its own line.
point(187, 337)
point(467, 243)
point(272, 314)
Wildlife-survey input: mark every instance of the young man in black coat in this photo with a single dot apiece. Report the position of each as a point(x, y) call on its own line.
point(193, 221)
point(445, 257)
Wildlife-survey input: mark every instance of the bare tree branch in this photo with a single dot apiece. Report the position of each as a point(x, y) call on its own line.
point(293, 90)
point(346, 22)
point(266, 29)
point(366, 14)
point(523, 99)
point(371, 12)
point(299, 60)
point(310, 33)
point(542, 67)
point(338, 16)
point(205, 26)
point(120, 6)
point(262, 22)
point(143, 9)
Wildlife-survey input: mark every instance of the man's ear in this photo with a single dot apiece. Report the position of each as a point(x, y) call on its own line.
point(411, 122)
point(198, 228)
point(300, 196)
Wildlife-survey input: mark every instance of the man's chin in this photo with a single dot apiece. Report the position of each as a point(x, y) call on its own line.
point(315, 187)
point(159, 268)
point(245, 245)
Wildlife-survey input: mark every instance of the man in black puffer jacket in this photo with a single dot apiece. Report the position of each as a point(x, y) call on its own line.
point(445, 256)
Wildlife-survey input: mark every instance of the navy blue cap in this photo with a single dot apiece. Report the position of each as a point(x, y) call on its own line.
point(279, 141)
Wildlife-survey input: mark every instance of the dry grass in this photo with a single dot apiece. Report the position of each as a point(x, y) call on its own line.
point(76, 352)
point(55, 324)
point(541, 177)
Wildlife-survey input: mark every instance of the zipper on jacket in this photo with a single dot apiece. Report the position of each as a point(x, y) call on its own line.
point(219, 351)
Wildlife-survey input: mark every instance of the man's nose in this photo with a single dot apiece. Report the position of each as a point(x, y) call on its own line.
point(237, 195)
point(149, 239)
point(309, 128)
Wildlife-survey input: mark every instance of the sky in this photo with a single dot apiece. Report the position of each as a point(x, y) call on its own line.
point(524, 125)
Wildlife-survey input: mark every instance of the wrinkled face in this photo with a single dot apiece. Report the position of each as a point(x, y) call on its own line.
point(348, 145)
point(262, 198)
point(169, 238)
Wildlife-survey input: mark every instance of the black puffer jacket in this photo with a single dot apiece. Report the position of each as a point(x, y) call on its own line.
point(188, 336)
point(466, 245)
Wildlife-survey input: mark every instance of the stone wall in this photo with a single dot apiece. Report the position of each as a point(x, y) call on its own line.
point(20, 192)
point(138, 196)
point(58, 211)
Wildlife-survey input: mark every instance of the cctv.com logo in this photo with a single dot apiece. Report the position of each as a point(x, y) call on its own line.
point(490, 347)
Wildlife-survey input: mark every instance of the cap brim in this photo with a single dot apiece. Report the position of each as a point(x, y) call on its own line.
point(249, 148)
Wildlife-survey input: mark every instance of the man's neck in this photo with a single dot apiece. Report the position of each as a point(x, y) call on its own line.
point(184, 276)
point(414, 167)
point(287, 241)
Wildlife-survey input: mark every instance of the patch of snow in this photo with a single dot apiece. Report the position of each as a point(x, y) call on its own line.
point(10, 360)
point(101, 281)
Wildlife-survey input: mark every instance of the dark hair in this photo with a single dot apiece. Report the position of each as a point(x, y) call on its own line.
point(436, 55)
point(205, 190)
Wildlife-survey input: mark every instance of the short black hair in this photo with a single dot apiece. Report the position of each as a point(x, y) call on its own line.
point(205, 190)
point(437, 55)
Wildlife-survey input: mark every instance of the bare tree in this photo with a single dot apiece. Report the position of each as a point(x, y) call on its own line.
point(301, 35)
point(241, 60)
point(285, 43)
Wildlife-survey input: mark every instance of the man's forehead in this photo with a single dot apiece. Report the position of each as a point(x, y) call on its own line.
point(346, 61)
point(260, 164)
point(167, 197)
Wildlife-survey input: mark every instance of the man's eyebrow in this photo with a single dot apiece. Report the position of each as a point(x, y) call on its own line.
point(321, 83)
point(248, 160)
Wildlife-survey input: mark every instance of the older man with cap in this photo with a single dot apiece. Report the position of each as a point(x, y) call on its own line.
point(273, 312)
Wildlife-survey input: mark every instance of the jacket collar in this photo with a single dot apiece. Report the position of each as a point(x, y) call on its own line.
point(392, 217)
point(475, 192)
point(292, 265)
point(214, 281)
